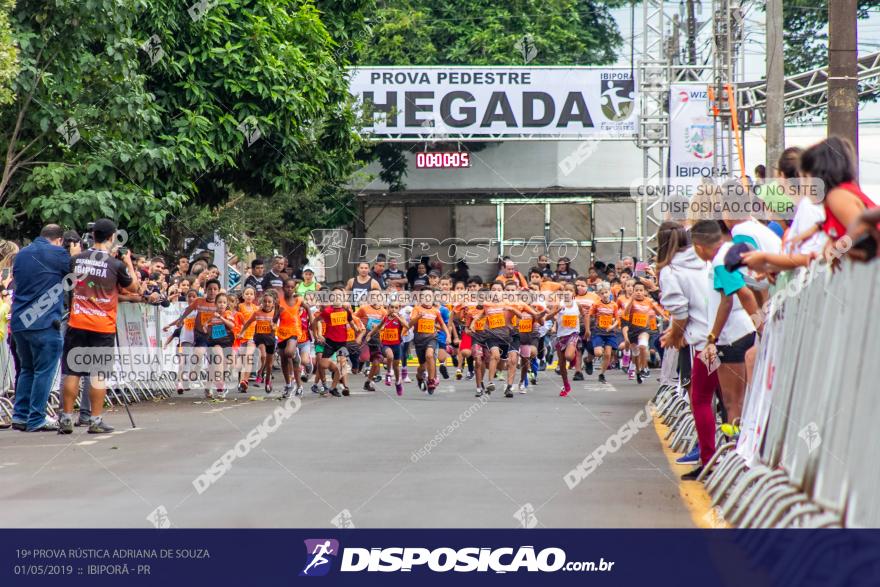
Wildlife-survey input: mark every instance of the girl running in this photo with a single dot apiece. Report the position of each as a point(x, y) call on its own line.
point(641, 310)
point(289, 332)
point(390, 331)
point(569, 315)
point(371, 315)
point(427, 320)
point(604, 327)
point(264, 321)
point(246, 346)
point(336, 319)
point(221, 337)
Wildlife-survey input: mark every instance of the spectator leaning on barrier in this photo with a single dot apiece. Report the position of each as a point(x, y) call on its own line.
point(731, 330)
point(684, 293)
point(833, 162)
point(92, 323)
point(39, 270)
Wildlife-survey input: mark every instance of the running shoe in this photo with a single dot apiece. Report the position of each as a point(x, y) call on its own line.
point(304, 377)
point(299, 391)
point(639, 377)
point(99, 427)
point(286, 393)
point(490, 388)
point(83, 420)
point(444, 372)
point(258, 380)
point(346, 391)
point(533, 378)
point(469, 376)
point(399, 388)
point(543, 365)
point(691, 458)
point(407, 379)
point(220, 393)
point(631, 375)
point(508, 392)
point(388, 379)
point(65, 425)
point(21, 427)
point(523, 390)
point(49, 425)
point(578, 376)
point(692, 475)
point(564, 392)
point(729, 430)
point(458, 374)
point(377, 379)
point(335, 392)
point(421, 383)
point(242, 387)
point(646, 373)
point(209, 394)
point(179, 391)
point(602, 378)
point(625, 361)
point(315, 388)
point(431, 388)
point(268, 387)
point(368, 386)
point(588, 365)
point(479, 392)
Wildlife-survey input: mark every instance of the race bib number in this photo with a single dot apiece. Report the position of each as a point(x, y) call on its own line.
point(189, 323)
point(640, 320)
point(525, 325)
point(570, 321)
point(426, 326)
point(350, 337)
point(496, 321)
point(338, 318)
point(605, 321)
point(480, 324)
point(285, 332)
point(388, 336)
point(264, 327)
point(218, 331)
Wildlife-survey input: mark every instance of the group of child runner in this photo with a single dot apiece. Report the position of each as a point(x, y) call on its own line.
point(326, 338)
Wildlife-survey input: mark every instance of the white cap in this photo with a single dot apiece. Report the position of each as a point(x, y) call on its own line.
point(307, 268)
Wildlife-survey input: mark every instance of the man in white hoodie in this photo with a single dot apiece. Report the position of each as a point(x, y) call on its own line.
point(684, 293)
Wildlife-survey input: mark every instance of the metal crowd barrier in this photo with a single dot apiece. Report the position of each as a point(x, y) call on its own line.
point(804, 458)
point(138, 325)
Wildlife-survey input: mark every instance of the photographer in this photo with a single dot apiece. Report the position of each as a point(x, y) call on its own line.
point(36, 320)
point(92, 323)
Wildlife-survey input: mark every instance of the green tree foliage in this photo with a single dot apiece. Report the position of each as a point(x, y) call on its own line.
point(181, 114)
point(806, 36)
point(8, 53)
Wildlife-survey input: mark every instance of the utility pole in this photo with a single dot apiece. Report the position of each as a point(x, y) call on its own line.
point(775, 113)
point(843, 92)
point(691, 34)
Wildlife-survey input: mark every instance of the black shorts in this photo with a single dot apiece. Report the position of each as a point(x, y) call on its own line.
point(225, 342)
point(502, 345)
point(375, 347)
point(736, 351)
point(83, 361)
point(684, 364)
point(634, 332)
point(331, 347)
point(283, 343)
point(422, 350)
point(268, 340)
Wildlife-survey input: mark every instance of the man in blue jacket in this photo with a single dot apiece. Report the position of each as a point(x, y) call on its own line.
point(39, 271)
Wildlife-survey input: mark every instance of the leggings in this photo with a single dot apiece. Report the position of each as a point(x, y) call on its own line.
point(703, 385)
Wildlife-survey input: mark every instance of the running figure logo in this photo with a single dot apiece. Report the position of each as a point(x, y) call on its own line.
point(318, 551)
point(618, 99)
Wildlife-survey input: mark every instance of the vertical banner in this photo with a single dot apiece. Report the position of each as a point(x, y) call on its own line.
point(691, 135)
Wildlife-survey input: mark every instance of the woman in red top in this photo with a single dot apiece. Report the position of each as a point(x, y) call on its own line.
point(833, 162)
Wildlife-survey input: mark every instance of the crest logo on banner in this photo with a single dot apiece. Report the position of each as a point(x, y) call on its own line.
point(618, 99)
point(699, 140)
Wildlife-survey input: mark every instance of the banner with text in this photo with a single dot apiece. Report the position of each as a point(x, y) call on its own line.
point(435, 103)
point(691, 135)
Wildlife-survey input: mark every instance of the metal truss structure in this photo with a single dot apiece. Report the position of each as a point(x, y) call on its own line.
point(806, 93)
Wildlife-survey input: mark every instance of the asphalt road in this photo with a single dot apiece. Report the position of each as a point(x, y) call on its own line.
point(369, 460)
